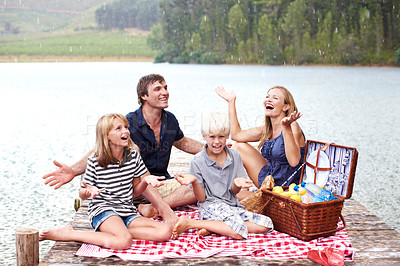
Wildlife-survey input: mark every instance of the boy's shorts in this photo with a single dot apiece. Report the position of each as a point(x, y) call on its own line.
point(234, 217)
point(99, 219)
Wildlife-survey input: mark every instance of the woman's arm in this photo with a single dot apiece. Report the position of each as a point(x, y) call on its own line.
point(237, 134)
point(293, 138)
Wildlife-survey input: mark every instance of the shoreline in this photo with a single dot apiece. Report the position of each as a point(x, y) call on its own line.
point(77, 59)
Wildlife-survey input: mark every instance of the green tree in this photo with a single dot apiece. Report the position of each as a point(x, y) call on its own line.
point(295, 25)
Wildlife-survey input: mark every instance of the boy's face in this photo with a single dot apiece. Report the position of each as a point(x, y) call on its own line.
point(215, 142)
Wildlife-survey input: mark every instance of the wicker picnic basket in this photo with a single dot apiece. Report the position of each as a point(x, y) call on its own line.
point(320, 219)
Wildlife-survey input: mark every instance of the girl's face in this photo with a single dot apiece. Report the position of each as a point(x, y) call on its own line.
point(119, 134)
point(274, 103)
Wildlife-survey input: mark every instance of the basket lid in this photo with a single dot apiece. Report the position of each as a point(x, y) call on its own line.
point(330, 165)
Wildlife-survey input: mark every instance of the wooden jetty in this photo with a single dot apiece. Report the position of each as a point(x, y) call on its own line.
point(376, 243)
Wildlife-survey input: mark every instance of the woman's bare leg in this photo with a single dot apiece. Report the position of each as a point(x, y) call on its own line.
point(252, 160)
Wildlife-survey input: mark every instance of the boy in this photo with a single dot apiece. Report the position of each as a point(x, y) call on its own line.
point(217, 175)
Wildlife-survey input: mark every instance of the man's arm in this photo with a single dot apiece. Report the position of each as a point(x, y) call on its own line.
point(189, 145)
point(64, 174)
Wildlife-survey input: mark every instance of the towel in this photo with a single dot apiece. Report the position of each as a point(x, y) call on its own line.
point(269, 246)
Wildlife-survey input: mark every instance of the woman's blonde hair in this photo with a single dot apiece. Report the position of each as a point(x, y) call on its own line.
point(102, 150)
point(267, 130)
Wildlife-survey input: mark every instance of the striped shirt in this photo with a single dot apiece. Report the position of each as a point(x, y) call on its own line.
point(118, 183)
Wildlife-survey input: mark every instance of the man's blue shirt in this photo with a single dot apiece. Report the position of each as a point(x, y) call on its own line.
point(156, 158)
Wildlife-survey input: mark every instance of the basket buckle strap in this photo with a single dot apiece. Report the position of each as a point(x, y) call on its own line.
point(316, 168)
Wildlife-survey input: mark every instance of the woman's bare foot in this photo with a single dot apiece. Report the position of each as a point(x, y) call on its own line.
point(58, 234)
point(147, 210)
point(181, 226)
point(203, 232)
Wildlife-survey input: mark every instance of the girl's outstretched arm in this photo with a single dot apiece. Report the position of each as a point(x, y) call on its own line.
point(237, 134)
point(88, 191)
point(140, 184)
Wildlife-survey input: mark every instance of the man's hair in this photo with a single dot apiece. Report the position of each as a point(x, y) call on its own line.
point(144, 82)
point(215, 123)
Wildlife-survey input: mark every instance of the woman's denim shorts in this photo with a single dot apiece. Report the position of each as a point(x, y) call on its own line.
point(99, 219)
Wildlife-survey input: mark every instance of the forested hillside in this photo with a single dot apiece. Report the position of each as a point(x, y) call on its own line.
point(278, 32)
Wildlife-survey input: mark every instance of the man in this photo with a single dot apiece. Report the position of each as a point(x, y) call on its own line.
point(155, 131)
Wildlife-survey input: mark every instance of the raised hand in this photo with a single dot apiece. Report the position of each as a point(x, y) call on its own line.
point(287, 121)
point(185, 179)
point(92, 191)
point(228, 96)
point(241, 182)
point(59, 177)
point(154, 180)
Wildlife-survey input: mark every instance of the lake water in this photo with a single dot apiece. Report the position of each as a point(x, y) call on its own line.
point(49, 111)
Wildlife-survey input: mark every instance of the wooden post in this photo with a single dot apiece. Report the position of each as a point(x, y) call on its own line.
point(27, 244)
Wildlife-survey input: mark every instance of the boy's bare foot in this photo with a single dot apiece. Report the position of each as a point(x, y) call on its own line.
point(203, 232)
point(147, 210)
point(59, 234)
point(181, 226)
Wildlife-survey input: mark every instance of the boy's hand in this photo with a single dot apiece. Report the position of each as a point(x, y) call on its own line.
point(241, 182)
point(92, 191)
point(185, 179)
point(154, 180)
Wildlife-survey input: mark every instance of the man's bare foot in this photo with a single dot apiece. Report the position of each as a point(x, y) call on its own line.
point(147, 210)
point(181, 226)
point(203, 232)
point(59, 234)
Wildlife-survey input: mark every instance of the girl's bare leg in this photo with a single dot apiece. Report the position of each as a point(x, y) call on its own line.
point(252, 160)
point(185, 223)
point(146, 229)
point(113, 234)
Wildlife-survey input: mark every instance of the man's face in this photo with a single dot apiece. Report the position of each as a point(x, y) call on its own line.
point(157, 95)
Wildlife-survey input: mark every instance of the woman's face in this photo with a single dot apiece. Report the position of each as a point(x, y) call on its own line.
point(274, 103)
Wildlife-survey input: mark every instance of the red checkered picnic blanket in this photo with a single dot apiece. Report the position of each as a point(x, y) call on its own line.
point(273, 246)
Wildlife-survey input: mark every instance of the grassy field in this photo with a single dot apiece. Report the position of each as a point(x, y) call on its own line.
point(65, 31)
point(92, 45)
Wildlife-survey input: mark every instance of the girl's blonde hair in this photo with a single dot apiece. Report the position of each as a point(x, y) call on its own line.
point(215, 123)
point(102, 150)
point(267, 130)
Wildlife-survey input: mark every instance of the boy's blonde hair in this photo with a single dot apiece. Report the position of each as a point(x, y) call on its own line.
point(215, 123)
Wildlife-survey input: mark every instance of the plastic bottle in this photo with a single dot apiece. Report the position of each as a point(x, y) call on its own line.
point(306, 195)
point(320, 193)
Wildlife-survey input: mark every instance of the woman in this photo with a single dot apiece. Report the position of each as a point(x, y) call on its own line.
point(281, 140)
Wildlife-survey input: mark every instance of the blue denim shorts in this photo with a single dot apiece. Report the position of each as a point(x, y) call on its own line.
point(99, 219)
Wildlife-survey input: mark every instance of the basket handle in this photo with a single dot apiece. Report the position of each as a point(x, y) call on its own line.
point(319, 233)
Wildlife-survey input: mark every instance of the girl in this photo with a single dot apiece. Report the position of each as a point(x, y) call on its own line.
point(114, 174)
point(282, 141)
